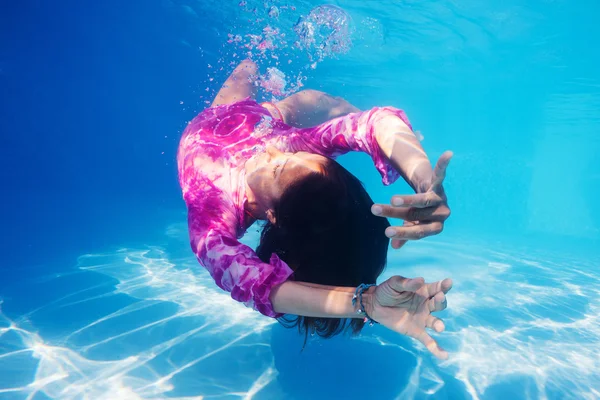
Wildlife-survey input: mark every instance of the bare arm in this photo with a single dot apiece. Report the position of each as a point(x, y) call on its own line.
point(238, 85)
point(313, 300)
point(425, 212)
point(400, 145)
point(397, 141)
point(312, 107)
point(400, 304)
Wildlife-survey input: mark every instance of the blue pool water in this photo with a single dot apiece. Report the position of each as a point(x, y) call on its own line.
point(101, 297)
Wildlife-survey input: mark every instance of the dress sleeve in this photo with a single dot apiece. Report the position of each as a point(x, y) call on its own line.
point(234, 266)
point(353, 132)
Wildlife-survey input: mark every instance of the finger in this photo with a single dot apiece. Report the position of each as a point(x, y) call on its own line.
point(435, 213)
point(402, 284)
point(435, 323)
point(437, 302)
point(420, 200)
point(383, 210)
point(442, 286)
point(438, 213)
point(414, 232)
point(396, 244)
point(439, 172)
point(432, 346)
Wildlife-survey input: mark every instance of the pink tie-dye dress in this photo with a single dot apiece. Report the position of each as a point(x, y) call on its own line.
point(213, 149)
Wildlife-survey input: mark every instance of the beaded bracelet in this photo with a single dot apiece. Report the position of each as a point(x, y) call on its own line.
point(358, 295)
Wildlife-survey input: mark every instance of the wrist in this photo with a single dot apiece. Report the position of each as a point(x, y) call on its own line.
point(420, 176)
point(368, 301)
point(363, 303)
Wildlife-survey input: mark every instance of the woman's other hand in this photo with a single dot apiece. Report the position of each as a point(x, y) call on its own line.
point(406, 305)
point(424, 213)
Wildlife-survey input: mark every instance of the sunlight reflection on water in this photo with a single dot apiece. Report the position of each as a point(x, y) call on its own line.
point(167, 331)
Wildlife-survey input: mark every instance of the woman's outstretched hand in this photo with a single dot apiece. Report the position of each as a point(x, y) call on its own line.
point(423, 213)
point(405, 305)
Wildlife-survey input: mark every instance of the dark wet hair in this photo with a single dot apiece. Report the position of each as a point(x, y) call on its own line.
point(326, 233)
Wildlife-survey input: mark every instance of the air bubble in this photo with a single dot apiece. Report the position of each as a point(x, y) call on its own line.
point(324, 32)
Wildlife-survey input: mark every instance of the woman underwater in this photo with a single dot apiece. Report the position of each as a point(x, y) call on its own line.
point(324, 242)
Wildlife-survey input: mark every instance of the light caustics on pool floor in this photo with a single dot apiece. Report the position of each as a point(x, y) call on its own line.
point(154, 325)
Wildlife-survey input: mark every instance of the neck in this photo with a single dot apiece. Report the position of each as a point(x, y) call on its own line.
point(251, 208)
